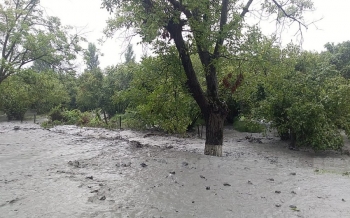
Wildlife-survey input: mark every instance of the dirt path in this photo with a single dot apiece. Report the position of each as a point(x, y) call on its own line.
point(85, 172)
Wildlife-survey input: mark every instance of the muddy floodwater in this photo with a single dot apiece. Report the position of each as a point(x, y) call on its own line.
point(68, 171)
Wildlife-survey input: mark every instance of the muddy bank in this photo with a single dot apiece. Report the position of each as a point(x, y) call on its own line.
point(69, 171)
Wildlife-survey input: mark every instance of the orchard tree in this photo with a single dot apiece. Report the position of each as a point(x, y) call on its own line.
point(31, 90)
point(27, 35)
point(157, 96)
point(212, 29)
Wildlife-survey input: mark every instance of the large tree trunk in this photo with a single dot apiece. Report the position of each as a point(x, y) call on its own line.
point(212, 108)
point(214, 122)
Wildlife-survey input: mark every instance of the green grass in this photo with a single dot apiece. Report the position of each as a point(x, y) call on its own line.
point(248, 126)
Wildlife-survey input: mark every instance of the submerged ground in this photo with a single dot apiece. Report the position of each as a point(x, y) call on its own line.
point(69, 171)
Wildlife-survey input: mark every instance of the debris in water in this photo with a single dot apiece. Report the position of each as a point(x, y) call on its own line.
point(278, 205)
point(249, 182)
point(253, 139)
point(143, 165)
point(278, 192)
point(16, 128)
point(293, 207)
point(207, 188)
point(293, 174)
point(103, 198)
point(126, 164)
point(136, 144)
point(74, 163)
point(184, 164)
point(89, 177)
point(16, 199)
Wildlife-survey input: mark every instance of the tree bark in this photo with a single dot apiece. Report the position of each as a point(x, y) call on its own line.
point(214, 122)
point(293, 140)
point(212, 108)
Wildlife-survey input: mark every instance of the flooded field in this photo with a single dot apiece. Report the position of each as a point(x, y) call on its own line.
point(69, 171)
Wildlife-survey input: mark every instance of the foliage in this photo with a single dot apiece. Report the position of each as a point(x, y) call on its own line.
point(91, 56)
point(27, 35)
point(69, 81)
point(339, 56)
point(248, 126)
point(89, 93)
point(15, 98)
point(157, 96)
point(46, 91)
point(31, 90)
point(56, 114)
point(60, 115)
point(305, 98)
point(129, 55)
point(116, 81)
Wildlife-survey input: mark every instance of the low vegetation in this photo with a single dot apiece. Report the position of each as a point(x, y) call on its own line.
point(304, 95)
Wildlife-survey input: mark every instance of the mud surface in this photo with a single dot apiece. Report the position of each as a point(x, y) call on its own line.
point(69, 171)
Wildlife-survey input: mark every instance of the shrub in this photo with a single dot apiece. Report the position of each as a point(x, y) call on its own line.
point(72, 117)
point(84, 119)
point(57, 114)
point(248, 126)
point(15, 99)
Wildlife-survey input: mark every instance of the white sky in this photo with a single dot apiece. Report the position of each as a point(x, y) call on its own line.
point(88, 16)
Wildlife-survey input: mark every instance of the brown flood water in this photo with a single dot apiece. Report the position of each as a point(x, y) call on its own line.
point(69, 171)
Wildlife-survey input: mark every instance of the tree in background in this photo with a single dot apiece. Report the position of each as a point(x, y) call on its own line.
point(90, 83)
point(31, 90)
point(116, 81)
point(27, 35)
point(89, 94)
point(15, 98)
point(91, 56)
point(212, 30)
point(129, 55)
point(340, 57)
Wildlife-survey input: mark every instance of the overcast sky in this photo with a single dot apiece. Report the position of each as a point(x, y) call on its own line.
point(88, 16)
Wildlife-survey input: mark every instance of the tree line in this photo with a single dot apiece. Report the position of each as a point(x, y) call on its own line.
point(209, 67)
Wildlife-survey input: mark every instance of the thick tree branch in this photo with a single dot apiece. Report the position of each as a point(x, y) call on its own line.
point(192, 82)
point(246, 8)
point(177, 5)
point(223, 21)
point(288, 15)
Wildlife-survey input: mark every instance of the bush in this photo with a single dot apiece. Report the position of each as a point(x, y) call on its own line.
point(60, 115)
point(15, 99)
point(311, 107)
point(312, 127)
point(248, 126)
point(73, 117)
point(57, 114)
